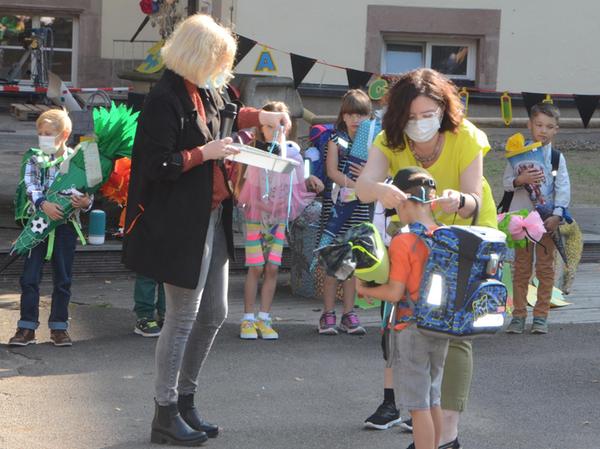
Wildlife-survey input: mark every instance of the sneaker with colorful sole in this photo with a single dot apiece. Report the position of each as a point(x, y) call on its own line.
point(327, 324)
point(351, 324)
point(248, 330)
point(265, 330)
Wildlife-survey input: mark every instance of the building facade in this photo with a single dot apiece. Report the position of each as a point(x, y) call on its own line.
point(538, 46)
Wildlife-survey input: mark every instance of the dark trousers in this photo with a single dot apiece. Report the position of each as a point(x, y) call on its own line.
point(62, 264)
point(148, 296)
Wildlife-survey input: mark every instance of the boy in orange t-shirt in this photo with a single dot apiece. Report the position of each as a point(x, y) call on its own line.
point(418, 360)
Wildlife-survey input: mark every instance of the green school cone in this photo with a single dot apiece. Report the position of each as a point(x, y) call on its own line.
point(84, 172)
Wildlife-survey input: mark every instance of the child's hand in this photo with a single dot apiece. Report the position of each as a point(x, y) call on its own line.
point(361, 291)
point(551, 223)
point(80, 201)
point(356, 169)
point(360, 288)
point(530, 176)
point(314, 184)
point(53, 210)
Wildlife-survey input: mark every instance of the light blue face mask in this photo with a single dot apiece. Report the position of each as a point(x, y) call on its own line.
point(216, 82)
point(423, 198)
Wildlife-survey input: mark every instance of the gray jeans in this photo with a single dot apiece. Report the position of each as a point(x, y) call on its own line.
point(192, 320)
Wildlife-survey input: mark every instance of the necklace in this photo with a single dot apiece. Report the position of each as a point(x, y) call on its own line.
point(434, 154)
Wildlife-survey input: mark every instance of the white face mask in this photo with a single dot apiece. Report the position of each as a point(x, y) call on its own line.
point(48, 144)
point(424, 129)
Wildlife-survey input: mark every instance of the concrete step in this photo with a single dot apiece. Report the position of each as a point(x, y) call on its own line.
point(93, 260)
point(591, 248)
point(105, 259)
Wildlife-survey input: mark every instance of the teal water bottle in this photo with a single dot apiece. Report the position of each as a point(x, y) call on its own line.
point(97, 227)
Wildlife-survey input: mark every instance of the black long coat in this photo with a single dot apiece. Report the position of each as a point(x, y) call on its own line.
point(168, 211)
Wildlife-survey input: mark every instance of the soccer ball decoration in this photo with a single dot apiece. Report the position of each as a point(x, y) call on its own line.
point(39, 225)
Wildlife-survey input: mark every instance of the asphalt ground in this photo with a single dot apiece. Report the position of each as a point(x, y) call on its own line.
point(303, 391)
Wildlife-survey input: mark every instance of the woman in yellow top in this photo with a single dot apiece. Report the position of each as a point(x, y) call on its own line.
point(424, 125)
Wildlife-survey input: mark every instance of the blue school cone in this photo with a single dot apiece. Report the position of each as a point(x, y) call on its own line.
point(97, 227)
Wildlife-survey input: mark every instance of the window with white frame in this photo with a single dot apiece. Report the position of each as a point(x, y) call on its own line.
point(16, 29)
point(455, 58)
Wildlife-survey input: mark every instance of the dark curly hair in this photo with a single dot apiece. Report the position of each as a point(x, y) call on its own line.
point(409, 86)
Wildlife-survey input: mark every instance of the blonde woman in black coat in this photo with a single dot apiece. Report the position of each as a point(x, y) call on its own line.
point(178, 226)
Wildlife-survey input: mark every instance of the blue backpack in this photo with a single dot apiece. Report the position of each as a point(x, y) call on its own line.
point(319, 135)
point(461, 295)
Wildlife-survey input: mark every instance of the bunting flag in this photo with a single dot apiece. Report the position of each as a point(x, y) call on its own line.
point(301, 65)
point(357, 79)
point(586, 105)
point(153, 62)
point(464, 98)
point(243, 48)
point(530, 99)
point(265, 61)
point(378, 88)
point(506, 108)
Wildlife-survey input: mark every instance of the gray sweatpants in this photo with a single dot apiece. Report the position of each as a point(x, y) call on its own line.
point(192, 320)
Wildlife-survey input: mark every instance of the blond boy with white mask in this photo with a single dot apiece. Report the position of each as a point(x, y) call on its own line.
point(54, 128)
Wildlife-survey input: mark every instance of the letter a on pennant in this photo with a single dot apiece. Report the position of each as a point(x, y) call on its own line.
point(265, 62)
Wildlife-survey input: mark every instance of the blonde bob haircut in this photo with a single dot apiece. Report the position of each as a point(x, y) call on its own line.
point(201, 51)
point(58, 119)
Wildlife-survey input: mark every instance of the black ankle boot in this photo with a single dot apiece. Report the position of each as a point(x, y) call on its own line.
point(191, 415)
point(168, 427)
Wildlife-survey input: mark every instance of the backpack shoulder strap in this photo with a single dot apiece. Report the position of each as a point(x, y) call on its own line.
point(555, 161)
point(504, 204)
point(421, 231)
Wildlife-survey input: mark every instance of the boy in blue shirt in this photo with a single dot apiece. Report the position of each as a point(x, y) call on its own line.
point(532, 187)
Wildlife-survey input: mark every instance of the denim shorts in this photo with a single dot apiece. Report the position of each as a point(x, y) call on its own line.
point(418, 362)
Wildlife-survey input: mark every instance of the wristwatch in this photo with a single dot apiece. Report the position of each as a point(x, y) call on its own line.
point(461, 204)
